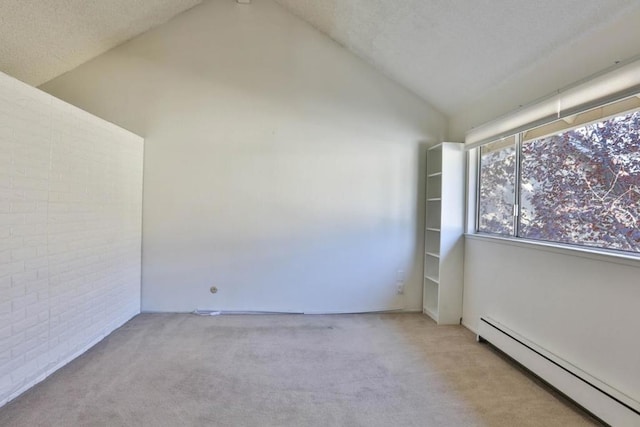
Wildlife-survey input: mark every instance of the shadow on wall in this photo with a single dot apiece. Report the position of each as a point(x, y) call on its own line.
point(325, 272)
point(260, 129)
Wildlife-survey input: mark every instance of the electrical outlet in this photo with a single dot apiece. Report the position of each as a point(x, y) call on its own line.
point(400, 288)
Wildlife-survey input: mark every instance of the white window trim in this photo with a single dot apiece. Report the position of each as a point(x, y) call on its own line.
point(589, 252)
point(570, 250)
point(609, 85)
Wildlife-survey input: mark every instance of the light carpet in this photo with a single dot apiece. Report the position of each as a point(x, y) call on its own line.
point(291, 370)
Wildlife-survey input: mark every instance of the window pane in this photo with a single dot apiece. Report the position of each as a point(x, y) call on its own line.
point(583, 186)
point(497, 187)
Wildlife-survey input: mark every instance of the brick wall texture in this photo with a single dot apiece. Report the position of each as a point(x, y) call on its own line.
point(70, 233)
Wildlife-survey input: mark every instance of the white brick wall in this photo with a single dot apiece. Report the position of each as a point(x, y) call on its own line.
point(70, 233)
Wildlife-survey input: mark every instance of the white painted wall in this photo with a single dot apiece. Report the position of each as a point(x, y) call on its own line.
point(278, 166)
point(582, 308)
point(70, 233)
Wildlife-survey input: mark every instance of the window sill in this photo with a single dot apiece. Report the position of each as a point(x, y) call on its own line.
point(575, 251)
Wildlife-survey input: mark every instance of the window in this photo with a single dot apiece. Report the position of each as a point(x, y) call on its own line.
point(579, 185)
point(497, 187)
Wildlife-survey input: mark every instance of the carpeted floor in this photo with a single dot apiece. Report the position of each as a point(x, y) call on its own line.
point(290, 370)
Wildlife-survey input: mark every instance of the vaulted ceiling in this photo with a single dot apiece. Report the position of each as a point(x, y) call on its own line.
point(41, 39)
point(451, 53)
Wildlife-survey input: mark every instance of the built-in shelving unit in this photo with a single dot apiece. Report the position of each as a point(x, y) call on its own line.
point(444, 244)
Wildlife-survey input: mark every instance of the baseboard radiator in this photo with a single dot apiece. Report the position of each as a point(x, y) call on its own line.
point(603, 401)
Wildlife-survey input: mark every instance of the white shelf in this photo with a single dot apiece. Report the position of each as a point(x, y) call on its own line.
point(432, 279)
point(431, 312)
point(444, 254)
point(434, 187)
point(430, 299)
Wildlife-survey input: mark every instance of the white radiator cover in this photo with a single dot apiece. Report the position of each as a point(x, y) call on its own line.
point(605, 402)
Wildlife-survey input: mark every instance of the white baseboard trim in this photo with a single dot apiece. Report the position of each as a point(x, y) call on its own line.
point(608, 404)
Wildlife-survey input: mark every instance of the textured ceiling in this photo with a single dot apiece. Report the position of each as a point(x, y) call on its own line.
point(451, 52)
point(41, 39)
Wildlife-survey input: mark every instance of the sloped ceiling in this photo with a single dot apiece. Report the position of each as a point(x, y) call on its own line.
point(451, 52)
point(41, 39)
point(455, 54)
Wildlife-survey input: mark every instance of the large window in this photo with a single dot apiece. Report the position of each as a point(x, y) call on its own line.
point(579, 186)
